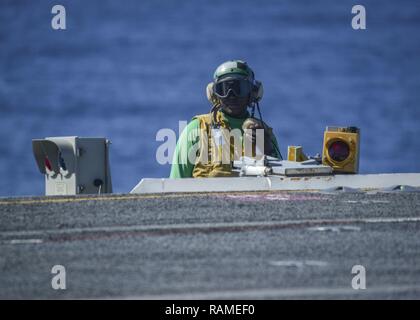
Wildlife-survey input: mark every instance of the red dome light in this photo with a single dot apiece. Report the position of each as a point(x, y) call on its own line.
point(339, 151)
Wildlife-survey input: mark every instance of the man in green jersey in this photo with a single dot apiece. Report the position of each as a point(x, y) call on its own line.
point(200, 149)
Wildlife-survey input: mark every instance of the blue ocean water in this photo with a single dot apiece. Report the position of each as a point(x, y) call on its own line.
point(125, 69)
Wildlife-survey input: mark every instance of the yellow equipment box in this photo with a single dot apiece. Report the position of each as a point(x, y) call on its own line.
point(295, 153)
point(341, 149)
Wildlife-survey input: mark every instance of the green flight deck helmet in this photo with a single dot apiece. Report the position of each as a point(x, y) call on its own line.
point(234, 83)
point(233, 67)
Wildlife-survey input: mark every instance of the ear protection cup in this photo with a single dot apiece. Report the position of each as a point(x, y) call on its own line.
point(258, 91)
point(209, 92)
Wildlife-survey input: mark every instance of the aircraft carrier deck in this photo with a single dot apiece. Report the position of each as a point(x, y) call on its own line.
point(244, 245)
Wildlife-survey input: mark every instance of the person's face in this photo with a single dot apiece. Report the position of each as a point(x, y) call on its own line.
point(234, 106)
point(234, 94)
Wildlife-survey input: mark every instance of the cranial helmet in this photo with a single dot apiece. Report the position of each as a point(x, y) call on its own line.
point(236, 78)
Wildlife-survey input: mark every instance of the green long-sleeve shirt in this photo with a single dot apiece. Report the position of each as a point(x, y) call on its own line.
point(181, 167)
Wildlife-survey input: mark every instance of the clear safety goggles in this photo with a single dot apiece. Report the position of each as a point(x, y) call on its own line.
point(239, 87)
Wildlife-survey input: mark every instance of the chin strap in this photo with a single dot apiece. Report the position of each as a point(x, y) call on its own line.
point(213, 115)
point(252, 110)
